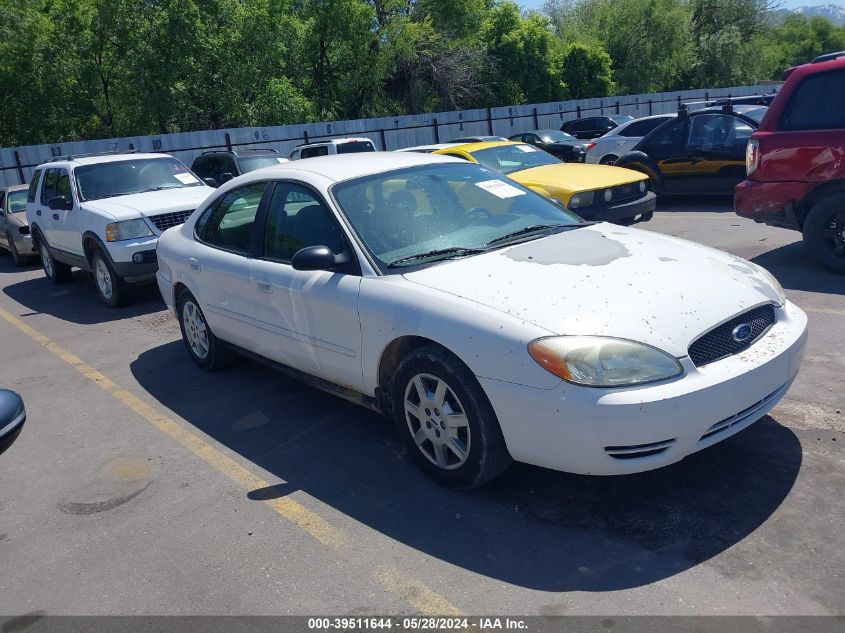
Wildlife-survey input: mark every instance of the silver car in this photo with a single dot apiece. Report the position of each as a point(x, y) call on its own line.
point(14, 229)
point(604, 150)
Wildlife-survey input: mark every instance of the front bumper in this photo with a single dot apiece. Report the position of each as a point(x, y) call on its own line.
point(619, 431)
point(134, 260)
point(771, 202)
point(623, 211)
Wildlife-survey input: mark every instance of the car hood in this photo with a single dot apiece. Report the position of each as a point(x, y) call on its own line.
point(607, 280)
point(150, 202)
point(574, 177)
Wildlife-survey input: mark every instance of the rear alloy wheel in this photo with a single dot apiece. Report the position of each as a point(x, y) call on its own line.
point(824, 232)
point(446, 421)
point(608, 160)
point(112, 289)
point(205, 349)
point(13, 249)
point(56, 272)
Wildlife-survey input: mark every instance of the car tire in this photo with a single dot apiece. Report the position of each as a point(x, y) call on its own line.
point(55, 271)
point(113, 290)
point(609, 159)
point(431, 386)
point(13, 250)
point(206, 350)
point(824, 232)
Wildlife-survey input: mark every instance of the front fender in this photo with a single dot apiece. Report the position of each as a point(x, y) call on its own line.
point(645, 164)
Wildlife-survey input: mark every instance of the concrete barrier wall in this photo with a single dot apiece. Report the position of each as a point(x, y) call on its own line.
point(388, 133)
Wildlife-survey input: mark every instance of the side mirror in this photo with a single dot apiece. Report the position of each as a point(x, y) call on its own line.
point(314, 258)
point(225, 177)
point(60, 203)
point(211, 182)
point(12, 417)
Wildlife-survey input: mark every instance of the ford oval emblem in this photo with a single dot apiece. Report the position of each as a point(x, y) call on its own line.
point(741, 332)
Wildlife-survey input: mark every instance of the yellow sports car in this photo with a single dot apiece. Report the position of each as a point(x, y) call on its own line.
point(595, 192)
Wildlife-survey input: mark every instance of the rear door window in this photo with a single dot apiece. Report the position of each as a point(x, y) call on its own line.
point(33, 186)
point(355, 147)
point(816, 104)
point(229, 225)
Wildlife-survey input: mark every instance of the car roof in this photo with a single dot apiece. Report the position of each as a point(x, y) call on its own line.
point(11, 188)
point(474, 147)
point(339, 167)
point(335, 141)
point(428, 148)
point(106, 158)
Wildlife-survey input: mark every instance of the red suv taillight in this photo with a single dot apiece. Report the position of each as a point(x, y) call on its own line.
point(752, 156)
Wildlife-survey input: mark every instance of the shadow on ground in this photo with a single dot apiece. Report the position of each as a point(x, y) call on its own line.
point(76, 301)
point(795, 270)
point(532, 527)
point(700, 204)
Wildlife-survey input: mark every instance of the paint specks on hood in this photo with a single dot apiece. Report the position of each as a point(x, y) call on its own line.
point(592, 248)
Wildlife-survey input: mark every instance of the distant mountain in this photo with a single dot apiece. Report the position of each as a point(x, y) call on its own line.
point(833, 12)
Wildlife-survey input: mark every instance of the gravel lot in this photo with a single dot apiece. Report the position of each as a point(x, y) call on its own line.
point(141, 485)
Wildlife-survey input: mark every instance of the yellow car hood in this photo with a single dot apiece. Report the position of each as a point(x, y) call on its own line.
point(571, 178)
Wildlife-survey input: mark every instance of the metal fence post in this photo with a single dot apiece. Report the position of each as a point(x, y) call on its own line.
point(617, 107)
point(383, 139)
point(305, 135)
point(578, 111)
point(536, 120)
point(20, 168)
point(228, 142)
point(436, 130)
point(649, 107)
point(489, 121)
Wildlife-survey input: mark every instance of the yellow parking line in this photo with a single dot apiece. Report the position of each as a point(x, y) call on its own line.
point(293, 511)
point(825, 311)
point(411, 591)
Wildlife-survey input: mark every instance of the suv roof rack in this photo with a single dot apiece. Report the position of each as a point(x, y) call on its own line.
point(55, 159)
point(827, 57)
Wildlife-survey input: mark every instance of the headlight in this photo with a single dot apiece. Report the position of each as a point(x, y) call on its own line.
point(600, 361)
point(583, 199)
point(773, 281)
point(127, 230)
point(608, 195)
point(642, 186)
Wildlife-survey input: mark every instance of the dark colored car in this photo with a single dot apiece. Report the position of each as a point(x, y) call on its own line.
point(217, 167)
point(12, 418)
point(700, 152)
point(477, 139)
point(594, 126)
point(795, 166)
point(559, 144)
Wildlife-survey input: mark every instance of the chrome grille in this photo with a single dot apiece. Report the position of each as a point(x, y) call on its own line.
point(719, 343)
point(166, 221)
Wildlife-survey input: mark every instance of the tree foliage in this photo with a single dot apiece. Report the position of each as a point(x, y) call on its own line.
point(78, 69)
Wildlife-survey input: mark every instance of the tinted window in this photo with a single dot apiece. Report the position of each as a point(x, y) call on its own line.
point(201, 167)
point(229, 224)
point(668, 138)
point(33, 186)
point(817, 104)
point(354, 147)
point(311, 152)
point(584, 125)
point(718, 133)
point(553, 136)
point(48, 189)
point(298, 218)
point(251, 163)
point(641, 128)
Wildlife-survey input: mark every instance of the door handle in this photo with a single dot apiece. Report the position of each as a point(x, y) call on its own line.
point(264, 286)
point(55, 216)
point(195, 264)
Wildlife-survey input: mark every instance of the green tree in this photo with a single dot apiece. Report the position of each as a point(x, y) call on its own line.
point(587, 71)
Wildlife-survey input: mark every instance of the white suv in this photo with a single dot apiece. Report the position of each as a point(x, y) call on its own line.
point(104, 214)
point(351, 145)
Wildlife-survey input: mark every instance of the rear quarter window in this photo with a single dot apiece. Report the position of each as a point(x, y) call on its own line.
point(816, 104)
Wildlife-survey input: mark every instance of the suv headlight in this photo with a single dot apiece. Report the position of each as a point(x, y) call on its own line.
point(773, 281)
point(602, 361)
point(127, 230)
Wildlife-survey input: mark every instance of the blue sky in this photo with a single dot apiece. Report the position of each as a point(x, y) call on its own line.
point(787, 4)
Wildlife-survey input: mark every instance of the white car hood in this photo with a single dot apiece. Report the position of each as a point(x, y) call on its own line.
point(150, 202)
point(609, 280)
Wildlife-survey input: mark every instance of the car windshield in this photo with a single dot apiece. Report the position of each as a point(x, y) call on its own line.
point(251, 163)
point(555, 136)
point(507, 159)
point(354, 147)
point(17, 201)
point(432, 212)
point(121, 178)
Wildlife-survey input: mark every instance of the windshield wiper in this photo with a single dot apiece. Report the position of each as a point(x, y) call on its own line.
point(442, 253)
point(534, 228)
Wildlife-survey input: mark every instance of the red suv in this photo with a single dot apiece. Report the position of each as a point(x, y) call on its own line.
point(795, 161)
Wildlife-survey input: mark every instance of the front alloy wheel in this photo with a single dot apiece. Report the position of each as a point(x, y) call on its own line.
point(112, 289)
point(437, 421)
point(205, 349)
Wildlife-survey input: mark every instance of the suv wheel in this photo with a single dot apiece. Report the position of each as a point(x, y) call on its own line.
point(206, 350)
point(824, 232)
point(56, 272)
point(112, 289)
point(446, 421)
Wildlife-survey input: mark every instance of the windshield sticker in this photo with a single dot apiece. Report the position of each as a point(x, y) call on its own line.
point(500, 188)
point(185, 178)
point(526, 148)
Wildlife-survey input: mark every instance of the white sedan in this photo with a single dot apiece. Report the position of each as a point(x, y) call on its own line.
point(488, 322)
point(608, 148)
